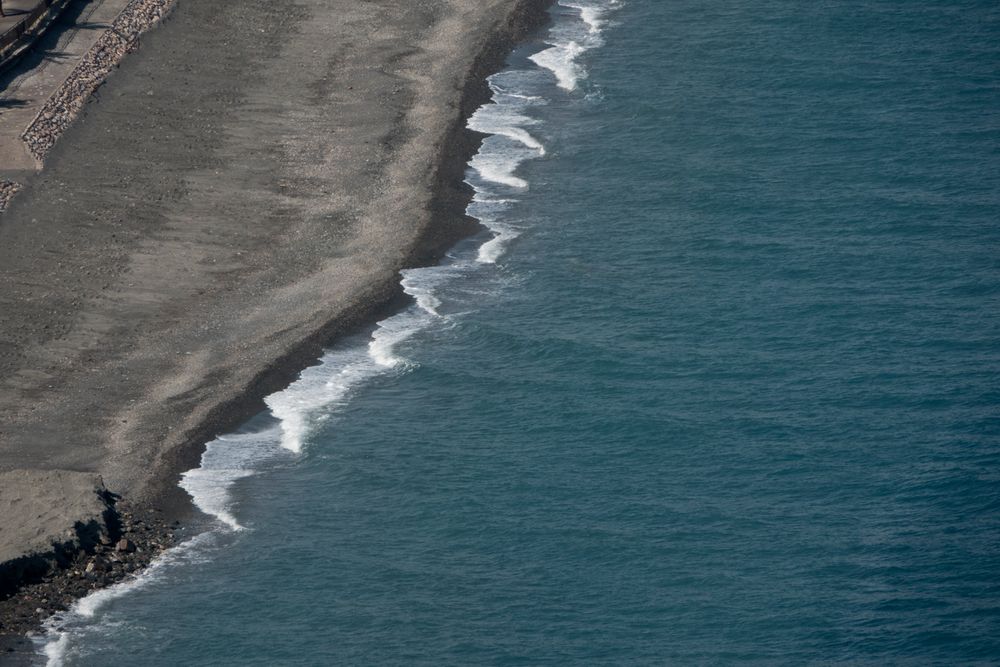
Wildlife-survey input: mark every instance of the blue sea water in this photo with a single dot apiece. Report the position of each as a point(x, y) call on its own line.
point(719, 384)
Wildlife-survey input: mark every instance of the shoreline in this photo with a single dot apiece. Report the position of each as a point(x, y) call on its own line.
point(443, 222)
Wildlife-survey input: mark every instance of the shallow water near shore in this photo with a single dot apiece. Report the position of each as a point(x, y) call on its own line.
point(717, 384)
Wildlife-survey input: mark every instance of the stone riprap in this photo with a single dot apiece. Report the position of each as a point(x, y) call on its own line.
point(121, 38)
point(7, 191)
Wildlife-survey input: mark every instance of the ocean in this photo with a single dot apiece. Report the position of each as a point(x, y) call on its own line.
point(718, 382)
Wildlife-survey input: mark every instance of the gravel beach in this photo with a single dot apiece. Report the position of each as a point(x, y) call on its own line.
point(244, 188)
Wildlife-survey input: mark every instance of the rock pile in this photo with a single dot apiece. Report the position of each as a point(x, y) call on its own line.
point(121, 38)
point(7, 191)
point(114, 558)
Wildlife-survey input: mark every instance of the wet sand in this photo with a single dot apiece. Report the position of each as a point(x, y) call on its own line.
point(241, 191)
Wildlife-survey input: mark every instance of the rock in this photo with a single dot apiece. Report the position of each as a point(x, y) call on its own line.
point(125, 546)
point(95, 566)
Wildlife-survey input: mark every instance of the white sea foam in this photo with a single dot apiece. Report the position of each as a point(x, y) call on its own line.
point(307, 402)
point(561, 60)
point(55, 650)
point(211, 489)
point(480, 198)
point(391, 333)
point(297, 410)
point(228, 458)
point(499, 167)
point(569, 39)
point(504, 119)
point(528, 98)
point(225, 460)
point(510, 142)
point(509, 145)
point(513, 88)
point(422, 285)
point(317, 388)
point(592, 14)
point(63, 627)
point(491, 251)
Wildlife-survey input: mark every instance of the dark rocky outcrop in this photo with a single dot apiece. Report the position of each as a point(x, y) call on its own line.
point(38, 506)
point(44, 568)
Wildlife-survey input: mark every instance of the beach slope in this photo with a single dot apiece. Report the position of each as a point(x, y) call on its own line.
point(242, 190)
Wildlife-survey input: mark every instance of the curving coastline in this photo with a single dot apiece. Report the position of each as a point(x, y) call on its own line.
point(233, 259)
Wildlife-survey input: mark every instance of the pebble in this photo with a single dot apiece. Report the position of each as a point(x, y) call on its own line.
point(88, 571)
point(7, 191)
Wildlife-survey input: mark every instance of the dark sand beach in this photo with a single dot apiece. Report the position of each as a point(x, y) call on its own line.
point(242, 190)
